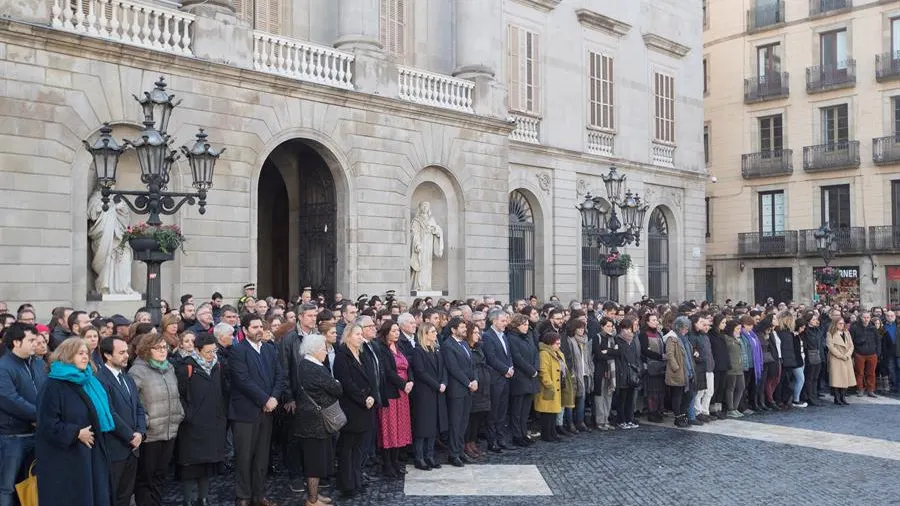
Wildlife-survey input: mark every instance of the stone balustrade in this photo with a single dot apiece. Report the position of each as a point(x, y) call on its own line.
point(600, 142)
point(436, 90)
point(528, 128)
point(126, 21)
point(663, 154)
point(302, 60)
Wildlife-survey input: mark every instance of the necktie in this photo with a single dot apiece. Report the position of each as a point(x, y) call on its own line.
point(503, 342)
point(465, 348)
point(124, 385)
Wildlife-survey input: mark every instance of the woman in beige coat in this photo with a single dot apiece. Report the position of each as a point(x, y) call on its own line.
point(840, 360)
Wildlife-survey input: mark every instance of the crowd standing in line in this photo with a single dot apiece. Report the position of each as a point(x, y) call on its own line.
point(344, 393)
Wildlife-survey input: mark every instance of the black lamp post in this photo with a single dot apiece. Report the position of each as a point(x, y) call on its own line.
point(827, 246)
point(602, 226)
point(152, 147)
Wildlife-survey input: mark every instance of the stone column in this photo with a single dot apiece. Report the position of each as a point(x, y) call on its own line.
point(358, 25)
point(480, 41)
point(219, 35)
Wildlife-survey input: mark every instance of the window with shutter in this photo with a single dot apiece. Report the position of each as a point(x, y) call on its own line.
point(664, 92)
point(523, 70)
point(267, 14)
point(393, 28)
point(600, 74)
point(244, 10)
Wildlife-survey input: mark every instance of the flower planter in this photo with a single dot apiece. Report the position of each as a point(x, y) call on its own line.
point(613, 270)
point(144, 244)
point(146, 249)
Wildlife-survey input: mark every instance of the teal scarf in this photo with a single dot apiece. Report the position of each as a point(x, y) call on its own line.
point(91, 386)
point(158, 365)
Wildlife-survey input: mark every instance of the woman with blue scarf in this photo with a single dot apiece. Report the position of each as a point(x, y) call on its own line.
point(73, 468)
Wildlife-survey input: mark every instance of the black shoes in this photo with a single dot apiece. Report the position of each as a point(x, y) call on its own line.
point(432, 464)
point(422, 466)
point(456, 462)
point(495, 448)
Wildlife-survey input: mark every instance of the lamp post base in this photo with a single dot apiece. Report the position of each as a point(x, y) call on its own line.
point(154, 258)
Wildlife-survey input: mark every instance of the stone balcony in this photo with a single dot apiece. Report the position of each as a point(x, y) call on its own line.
point(662, 153)
point(600, 142)
point(423, 87)
point(528, 128)
point(302, 60)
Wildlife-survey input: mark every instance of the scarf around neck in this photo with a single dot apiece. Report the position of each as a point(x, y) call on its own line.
point(159, 365)
point(206, 365)
point(91, 386)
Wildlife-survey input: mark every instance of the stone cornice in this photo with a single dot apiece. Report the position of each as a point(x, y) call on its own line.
point(597, 21)
point(18, 33)
point(666, 46)
point(541, 5)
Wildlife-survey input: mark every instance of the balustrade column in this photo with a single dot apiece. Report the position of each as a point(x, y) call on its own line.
point(359, 25)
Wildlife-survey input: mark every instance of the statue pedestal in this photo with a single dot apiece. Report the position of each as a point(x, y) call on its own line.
point(429, 293)
point(120, 297)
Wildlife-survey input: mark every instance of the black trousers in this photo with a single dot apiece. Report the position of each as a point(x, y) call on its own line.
point(251, 457)
point(625, 407)
point(151, 472)
point(811, 381)
point(124, 474)
point(350, 458)
point(477, 422)
point(458, 409)
point(681, 400)
point(719, 388)
point(548, 426)
point(497, 429)
point(519, 409)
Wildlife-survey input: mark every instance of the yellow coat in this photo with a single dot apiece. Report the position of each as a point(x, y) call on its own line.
point(549, 396)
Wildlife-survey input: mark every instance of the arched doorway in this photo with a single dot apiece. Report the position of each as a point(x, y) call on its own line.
point(521, 246)
point(297, 223)
point(658, 256)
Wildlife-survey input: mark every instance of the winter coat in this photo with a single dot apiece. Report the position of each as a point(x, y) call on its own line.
point(790, 350)
point(812, 343)
point(628, 364)
point(525, 364)
point(18, 393)
point(676, 372)
point(158, 391)
point(840, 360)
point(865, 339)
point(316, 383)
point(549, 398)
point(735, 358)
point(653, 352)
point(481, 398)
point(582, 365)
point(699, 343)
point(201, 438)
point(720, 352)
point(69, 472)
point(429, 404)
point(357, 383)
point(601, 343)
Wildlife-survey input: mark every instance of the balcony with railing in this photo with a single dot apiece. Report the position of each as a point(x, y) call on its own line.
point(827, 7)
point(662, 153)
point(886, 150)
point(428, 88)
point(528, 128)
point(827, 77)
point(600, 142)
point(302, 60)
point(778, 162)
point(126, 21)
point(884, 239)
point(887, 66)
point(762, 17)
point(770, 86)
point(767, 244)
point(847, 240)
point(831, 156)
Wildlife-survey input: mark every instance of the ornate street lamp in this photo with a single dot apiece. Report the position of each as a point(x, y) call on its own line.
point(827, 247)
point(154, 153)
point(602, 225)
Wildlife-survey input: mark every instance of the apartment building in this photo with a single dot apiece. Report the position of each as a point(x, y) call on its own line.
point(802, 128)
point(339, 118)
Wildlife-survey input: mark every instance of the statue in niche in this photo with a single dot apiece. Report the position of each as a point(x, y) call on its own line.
point(111, 263)
point(427, 244)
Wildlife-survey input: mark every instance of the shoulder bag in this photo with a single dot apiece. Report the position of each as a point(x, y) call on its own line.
point(333, 417)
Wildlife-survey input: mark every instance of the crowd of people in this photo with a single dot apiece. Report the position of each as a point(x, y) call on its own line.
point(341, 391)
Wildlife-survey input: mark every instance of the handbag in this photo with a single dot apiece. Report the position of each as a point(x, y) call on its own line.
point(27, 489)
point(333, 417)
point(656, 368)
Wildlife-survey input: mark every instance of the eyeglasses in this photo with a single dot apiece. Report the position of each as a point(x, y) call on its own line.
point(160, 347)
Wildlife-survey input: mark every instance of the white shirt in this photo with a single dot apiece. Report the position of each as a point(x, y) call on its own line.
point(256, 346)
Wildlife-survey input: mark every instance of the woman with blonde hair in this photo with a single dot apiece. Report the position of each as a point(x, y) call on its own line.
point(168, 327)
point(73, 415)
point(91, 336)
point(429, 407)
point(840, 360)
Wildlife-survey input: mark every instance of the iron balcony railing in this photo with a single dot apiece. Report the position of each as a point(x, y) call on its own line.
point(819, 7)
point(831, 76)
point(767, 244)
point(777, 162)
point(884, 239)
point(847, 240)
point(765, 16)
point(831, 156)
point(886, 149)
point(887, 66)
point(769, 86)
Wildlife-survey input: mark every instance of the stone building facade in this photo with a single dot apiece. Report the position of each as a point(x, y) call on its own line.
point(801, 130)
point(339, 117)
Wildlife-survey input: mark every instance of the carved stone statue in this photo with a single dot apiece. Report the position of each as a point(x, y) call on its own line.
point(427, 243)
point(111, 263)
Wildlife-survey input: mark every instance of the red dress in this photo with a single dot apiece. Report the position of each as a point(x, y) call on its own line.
point(395, 430)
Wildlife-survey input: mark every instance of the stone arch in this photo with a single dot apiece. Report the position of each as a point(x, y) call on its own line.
point(339, 167)
point(128, 178)
point(438, 184)
point(662, 258)
point(540, 274)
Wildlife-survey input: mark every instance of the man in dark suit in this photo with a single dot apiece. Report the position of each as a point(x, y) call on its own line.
point(131, 422)
point(376, 374)
point(498, 356)
point(257, 382)
point(461, 382)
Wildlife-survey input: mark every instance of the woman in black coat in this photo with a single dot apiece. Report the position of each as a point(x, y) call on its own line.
point(356, 402)
point(812, 343)
point(429, 406)
point(73, 466)
point(201, 436)
point(481, 398)
point(524, 383)
point(316, 389)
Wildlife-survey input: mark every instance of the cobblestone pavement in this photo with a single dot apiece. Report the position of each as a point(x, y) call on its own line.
point(661, 465)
